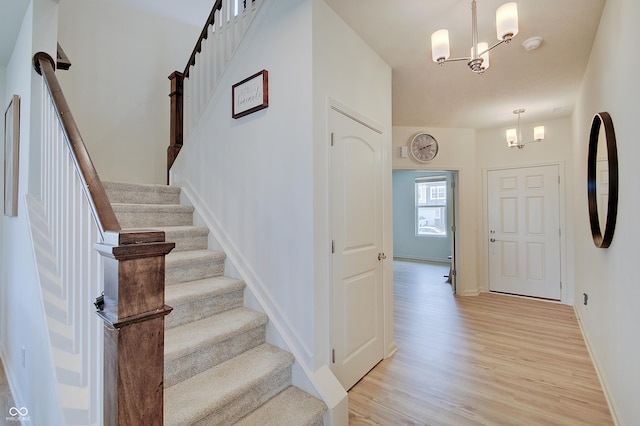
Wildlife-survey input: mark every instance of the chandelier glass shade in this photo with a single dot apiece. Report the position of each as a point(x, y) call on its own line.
point(478, 62)
point(514, 136)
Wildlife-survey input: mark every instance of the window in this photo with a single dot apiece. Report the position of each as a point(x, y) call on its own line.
point(431, 206)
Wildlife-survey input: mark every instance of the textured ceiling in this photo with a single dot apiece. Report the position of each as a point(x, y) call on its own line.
point(545, 81)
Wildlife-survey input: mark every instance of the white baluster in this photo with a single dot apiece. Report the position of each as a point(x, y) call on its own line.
point(79, 267)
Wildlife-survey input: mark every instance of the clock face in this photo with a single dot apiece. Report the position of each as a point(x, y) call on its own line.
point(424, 147)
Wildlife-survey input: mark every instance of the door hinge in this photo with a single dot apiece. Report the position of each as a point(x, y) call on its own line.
point(560, 285)
point(453, 228)
point(331, 138)
point(333, 356)
point(453, 272)
point(333, 246)
point(558, 180)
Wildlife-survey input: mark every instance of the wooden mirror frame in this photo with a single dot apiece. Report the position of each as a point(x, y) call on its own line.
point(600, 240)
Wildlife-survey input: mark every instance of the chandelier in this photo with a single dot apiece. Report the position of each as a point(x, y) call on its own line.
point(507, 28)
point(514, 136)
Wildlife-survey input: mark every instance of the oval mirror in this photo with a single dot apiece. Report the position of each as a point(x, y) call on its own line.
point(602, 179)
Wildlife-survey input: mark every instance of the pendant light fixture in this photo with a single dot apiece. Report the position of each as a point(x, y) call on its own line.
point(478, 62)
point(514, 136)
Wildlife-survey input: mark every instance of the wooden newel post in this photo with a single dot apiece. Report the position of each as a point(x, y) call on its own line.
point(133, 314)
point(176, 124)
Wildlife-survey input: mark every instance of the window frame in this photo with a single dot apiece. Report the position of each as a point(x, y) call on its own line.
point(441, 209)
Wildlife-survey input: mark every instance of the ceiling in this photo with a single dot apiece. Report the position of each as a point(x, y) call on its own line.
point(193, 12)
point(11, 15)
point(545, 81)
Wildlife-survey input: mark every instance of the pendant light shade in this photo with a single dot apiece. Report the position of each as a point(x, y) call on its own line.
point(440, 46)
point(507, 21)
point(506, 27)
point(514, 136)
point(483, 47)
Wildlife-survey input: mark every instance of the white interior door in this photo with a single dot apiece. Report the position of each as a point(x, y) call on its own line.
point(524, 231)
point(357, 334)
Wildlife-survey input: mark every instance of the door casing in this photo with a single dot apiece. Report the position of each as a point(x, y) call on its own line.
point(567, 296)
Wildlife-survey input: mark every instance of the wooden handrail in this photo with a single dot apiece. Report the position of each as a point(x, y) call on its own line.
point(203, 36)
point(132, 306)
point(103, 212)
point(177, 88)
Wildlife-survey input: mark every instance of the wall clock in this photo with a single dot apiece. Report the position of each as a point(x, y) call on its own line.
point(423, 147)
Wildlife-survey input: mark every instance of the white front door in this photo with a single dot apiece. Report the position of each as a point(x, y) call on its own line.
point(524, 231)
point(357, 333)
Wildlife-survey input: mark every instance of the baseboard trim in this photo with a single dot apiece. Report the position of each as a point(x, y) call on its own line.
point(601, 377)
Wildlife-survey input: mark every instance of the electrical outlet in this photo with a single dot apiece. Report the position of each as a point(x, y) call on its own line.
point(23, 359)
point(585, 299)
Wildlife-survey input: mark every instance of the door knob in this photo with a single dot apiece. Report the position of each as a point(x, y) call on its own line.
point(382, 256)
point(493, 240)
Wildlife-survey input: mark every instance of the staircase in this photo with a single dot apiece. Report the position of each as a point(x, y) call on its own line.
point(218, 369)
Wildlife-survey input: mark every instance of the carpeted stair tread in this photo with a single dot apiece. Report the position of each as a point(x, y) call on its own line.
point(196, 290)
point(180, 341)
point(119, 192)
point(218, 368)
point(181, 230)
point(291, 407)
point(151, 208)
point(185, 258)
point(184, 266)
point(152, 215)
point(213, 392)
point(186, 237)
point(195, 300)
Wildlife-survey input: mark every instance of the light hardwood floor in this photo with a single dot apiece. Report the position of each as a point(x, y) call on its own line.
point(485, 360)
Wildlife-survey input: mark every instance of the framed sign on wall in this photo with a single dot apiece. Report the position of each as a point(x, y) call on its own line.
point(250, 95)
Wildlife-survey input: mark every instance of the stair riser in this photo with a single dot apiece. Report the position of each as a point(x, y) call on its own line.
point(153, 219)
point(188, 242)
point(202, 308)
point(141, 194)
point(211, 355)
point(249, 400)
point(195, 271)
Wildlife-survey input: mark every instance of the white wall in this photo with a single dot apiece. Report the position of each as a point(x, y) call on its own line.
point(263, 179)
point(254, 175)
point(346, 74)
point(556, 148)
point(611, 320)
point(21, 310)
point(457, 151)
point(3, 323)
point(117, 87)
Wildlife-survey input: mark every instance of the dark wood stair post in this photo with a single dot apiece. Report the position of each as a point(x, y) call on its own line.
point(133, 312)
point(176, 124)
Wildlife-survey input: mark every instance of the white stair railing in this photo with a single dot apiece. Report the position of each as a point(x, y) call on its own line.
point(216, 50)
point(73, 271)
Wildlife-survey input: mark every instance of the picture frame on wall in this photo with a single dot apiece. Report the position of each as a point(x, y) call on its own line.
point(250, 95)
point(11, 156)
